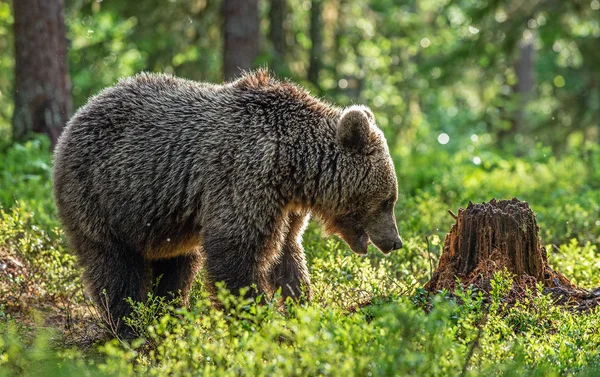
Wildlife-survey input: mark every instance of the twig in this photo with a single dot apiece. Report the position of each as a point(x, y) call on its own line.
point(471, 352)
point(475, 343)
point(429, 257)
point(69, 325)
point(452, 214)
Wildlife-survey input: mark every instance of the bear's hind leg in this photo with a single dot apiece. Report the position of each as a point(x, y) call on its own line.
point(113, 272)
point(291, 271)
point(176, 275)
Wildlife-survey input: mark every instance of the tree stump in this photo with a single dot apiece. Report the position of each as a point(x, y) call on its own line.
point(498, 235)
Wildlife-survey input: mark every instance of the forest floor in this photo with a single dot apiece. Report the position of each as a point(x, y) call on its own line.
point(370, 315)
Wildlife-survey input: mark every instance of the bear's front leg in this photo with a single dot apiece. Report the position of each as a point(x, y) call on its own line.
point(237, 260)
point(290, 273)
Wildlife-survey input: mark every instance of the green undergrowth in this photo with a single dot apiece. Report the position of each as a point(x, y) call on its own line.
point(396, 337)
point(369, 316)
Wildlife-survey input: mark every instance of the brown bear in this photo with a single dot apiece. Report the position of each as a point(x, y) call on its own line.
point(158, 173)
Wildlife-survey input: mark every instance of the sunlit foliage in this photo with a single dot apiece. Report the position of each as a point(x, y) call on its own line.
point(443, 80)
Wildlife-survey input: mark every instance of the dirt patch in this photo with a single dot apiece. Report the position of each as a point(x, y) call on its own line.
point(24, 300)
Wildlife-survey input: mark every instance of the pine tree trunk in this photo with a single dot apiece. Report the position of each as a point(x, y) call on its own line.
point(339, 33)
point(524, 67)
point(523, 89)
point(277, 32)
point(241, 36)
point(42, 84)
point(316, 37)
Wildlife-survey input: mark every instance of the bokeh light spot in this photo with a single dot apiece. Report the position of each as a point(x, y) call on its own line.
point(443, 138)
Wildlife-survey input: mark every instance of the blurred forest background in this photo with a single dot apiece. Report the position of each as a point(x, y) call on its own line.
point(513, 73)
point(477, 98)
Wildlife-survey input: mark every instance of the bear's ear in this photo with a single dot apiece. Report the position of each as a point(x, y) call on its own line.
point(368, 112)
point(354, 129)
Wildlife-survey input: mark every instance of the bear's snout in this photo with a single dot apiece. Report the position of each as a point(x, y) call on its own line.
point(383, 232)
point(387, 245)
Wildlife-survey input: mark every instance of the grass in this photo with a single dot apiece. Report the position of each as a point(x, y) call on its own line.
point(369, 316)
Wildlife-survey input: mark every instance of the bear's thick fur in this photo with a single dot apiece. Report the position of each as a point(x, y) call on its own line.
point(156, 174)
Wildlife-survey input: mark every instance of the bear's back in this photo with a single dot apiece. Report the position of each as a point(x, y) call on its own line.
point(134, 155)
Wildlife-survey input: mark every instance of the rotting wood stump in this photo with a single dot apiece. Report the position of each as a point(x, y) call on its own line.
point(502, 234)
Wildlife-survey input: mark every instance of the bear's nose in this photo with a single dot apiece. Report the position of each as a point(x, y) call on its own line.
point(397, 245)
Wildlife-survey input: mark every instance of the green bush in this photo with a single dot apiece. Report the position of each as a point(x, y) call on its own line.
point(25, 176)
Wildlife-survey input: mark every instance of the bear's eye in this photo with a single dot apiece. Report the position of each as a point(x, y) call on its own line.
point(388, 203)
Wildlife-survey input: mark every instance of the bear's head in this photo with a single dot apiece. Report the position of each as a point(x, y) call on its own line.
point(367, 188)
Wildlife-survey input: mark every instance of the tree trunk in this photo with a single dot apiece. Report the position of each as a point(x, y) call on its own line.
point(340, 31)
point(277, 32)
point(241, 36)
point(316, 47)
point(523, 89)
point(42, 84)
point(524, 86)
point(498, 235)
